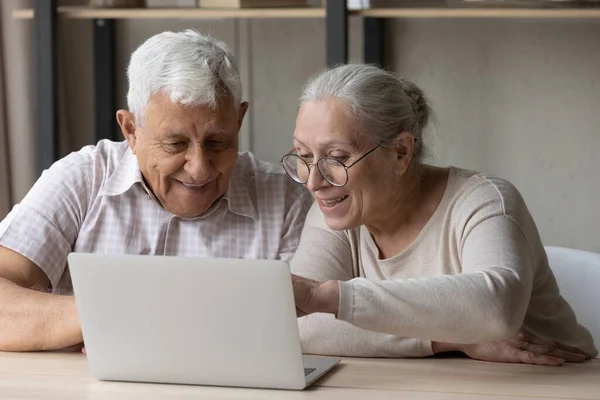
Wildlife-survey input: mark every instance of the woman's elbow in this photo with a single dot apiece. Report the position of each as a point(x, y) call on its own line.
point(504, 310)
point(501, 324)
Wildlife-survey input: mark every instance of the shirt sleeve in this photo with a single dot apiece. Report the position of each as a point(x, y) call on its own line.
point(45, 225)
point(324, 254)
point(486, 302)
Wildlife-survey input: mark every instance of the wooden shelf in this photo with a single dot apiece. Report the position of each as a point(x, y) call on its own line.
point(481, 13)
point(312, 12)
point(178, 13)
point(25, 13)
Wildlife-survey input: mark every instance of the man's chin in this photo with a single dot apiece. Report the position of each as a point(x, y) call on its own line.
point(192, 210)
point(188, 204)
point(189, 214)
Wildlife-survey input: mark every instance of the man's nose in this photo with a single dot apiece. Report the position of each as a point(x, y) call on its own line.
point(199, 165)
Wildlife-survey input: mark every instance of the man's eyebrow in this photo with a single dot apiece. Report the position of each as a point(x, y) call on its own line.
point(175, 135)
point(219, 134)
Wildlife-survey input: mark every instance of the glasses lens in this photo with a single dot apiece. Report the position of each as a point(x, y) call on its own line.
point(296, 168)
point(333, 171)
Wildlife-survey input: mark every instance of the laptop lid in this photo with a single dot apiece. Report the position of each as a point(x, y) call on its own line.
point(168, 319)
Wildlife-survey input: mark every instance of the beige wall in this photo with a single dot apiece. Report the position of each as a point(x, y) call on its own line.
point(519, 99)
point(515, 98)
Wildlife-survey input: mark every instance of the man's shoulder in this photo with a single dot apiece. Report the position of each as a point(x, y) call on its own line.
point(251, 163)
point(261, 173)
point(90, 166)
point(105, 155)
point(269, 178)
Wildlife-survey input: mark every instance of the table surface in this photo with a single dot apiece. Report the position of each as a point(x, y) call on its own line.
point(57, 375)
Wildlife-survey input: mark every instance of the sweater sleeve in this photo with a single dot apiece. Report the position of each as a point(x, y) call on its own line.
point(323, 255)
point(486, 301)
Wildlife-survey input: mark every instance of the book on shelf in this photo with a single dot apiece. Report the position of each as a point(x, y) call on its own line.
point(365, 4)
point(171, 3)
point(251, 3)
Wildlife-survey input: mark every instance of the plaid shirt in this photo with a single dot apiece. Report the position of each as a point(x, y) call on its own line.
point(95, 201)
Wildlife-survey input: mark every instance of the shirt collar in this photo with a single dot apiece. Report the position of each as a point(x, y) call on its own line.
point(126, 174)
point(238, 196)
point(239, 201)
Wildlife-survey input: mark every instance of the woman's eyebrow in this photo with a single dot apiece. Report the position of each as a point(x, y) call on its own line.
point(328, 143)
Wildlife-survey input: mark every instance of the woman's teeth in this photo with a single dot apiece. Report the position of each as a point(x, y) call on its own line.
point(334, 201)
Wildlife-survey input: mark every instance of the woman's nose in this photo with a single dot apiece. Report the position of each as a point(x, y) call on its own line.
point(315, 179)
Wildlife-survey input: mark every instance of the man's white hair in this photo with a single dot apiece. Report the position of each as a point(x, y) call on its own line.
point(191, 68)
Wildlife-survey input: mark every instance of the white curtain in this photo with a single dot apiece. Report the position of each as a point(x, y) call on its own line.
point(5, 184)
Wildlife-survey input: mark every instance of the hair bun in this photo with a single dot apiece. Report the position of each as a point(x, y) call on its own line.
point(419, 102)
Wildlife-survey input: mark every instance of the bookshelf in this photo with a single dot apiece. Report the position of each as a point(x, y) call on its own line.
point(178, 13)
point(46, 16)
point(312, 12)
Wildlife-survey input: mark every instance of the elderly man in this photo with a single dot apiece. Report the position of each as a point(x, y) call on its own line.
point(176, 186)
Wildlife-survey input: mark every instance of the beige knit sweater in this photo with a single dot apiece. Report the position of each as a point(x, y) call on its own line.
point(477, 272)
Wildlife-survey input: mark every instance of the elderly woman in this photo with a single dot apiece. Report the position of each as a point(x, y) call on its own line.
point(399, 258)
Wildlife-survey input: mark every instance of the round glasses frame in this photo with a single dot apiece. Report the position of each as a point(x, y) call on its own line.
point(320, 166)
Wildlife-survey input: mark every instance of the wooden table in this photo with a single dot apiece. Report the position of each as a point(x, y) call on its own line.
point(66, 376)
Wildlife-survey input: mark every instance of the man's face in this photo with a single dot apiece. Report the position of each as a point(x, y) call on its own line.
point(186, 154)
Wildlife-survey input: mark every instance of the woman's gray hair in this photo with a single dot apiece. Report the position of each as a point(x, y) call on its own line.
point(191, 68)
point(383, 105)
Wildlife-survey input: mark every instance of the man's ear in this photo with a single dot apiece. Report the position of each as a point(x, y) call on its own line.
point(404, 146)
point(243, 109)
point(128, 126)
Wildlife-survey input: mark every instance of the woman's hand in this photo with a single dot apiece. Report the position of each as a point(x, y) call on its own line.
point(312, 296)
point(521, 348)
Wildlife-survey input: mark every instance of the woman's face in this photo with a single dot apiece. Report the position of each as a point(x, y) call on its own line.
point(326, 129)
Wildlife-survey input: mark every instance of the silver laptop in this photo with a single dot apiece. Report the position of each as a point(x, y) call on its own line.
point(218, 322)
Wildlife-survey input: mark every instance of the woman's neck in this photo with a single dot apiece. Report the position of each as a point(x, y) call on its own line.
point(408, 209)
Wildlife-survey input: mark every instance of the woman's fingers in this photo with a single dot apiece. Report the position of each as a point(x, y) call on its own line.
point(528, 346)
point(536, 340)
point(530, 357)
point(568, 356)
point(533, 342)
point(572, 349)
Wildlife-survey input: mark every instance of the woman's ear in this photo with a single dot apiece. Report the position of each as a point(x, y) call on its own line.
point(128, 126)
point(404, 146)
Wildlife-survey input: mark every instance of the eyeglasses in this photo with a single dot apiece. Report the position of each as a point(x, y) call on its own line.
point(333, 171)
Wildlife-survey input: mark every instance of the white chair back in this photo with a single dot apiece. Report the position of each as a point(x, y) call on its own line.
point(578, 275)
